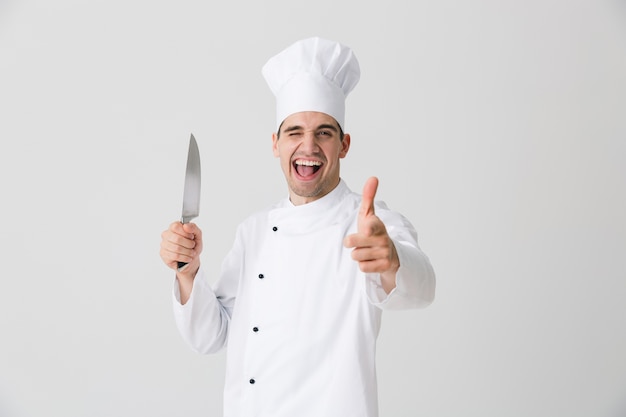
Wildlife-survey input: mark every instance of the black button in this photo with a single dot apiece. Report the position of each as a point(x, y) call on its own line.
point(274, 228)
point(255, 329)
point(261, 276)
point(252, 381)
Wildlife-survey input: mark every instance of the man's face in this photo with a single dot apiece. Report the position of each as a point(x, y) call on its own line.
point(309, 148)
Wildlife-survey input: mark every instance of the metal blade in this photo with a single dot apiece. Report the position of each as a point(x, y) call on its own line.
point(191, 196)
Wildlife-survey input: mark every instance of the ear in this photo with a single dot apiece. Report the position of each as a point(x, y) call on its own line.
point(275, 145)
point(345, 145)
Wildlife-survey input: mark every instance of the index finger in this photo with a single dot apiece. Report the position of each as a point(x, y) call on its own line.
point(369, 193)
point(184, 230)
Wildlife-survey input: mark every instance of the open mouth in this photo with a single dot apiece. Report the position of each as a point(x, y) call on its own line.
point(306, 168)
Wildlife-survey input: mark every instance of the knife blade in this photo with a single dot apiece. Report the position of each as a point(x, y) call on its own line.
point(191, 194)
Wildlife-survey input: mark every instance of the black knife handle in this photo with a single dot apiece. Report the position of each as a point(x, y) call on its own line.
point(181, 265)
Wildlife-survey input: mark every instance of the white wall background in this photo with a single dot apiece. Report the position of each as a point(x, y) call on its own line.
point(498, 127)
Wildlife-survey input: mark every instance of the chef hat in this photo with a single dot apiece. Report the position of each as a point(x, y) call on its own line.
point(312, 74)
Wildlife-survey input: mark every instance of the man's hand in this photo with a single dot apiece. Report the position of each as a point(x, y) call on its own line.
point(182, 243)
point(373, 248)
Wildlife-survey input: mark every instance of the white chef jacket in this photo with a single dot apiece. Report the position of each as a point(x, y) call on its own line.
point(298, 316)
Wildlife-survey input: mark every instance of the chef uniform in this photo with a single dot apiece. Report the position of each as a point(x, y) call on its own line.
point(298, 316)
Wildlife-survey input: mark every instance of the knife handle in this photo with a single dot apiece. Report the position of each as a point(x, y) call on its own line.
point(181, 265)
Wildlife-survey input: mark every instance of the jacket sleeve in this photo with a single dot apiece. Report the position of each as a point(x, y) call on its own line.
point(204, 320)
point(415, 279)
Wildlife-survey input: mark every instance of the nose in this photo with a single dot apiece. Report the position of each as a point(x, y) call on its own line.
point(309, 141)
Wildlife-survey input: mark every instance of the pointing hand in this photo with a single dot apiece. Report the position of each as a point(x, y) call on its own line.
point(373, 248)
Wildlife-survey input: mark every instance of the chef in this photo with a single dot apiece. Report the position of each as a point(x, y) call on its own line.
point(299, 299)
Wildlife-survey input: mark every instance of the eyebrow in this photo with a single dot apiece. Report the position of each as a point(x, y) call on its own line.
point(322, 126)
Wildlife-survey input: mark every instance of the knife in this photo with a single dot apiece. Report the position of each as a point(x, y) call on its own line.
point(191, 195)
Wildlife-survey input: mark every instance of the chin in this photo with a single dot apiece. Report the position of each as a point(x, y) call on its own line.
point(305, 190)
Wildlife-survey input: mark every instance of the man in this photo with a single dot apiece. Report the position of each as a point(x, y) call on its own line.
point(300, 295)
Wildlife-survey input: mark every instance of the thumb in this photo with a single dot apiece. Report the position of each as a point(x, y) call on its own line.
point(369, 193)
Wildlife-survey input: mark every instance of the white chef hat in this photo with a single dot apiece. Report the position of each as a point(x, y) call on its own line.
point(312, 74)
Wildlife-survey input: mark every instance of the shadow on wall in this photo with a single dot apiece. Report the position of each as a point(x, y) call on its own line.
point(620, 406)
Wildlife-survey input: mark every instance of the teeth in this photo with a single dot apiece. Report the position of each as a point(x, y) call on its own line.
point(308, 163)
